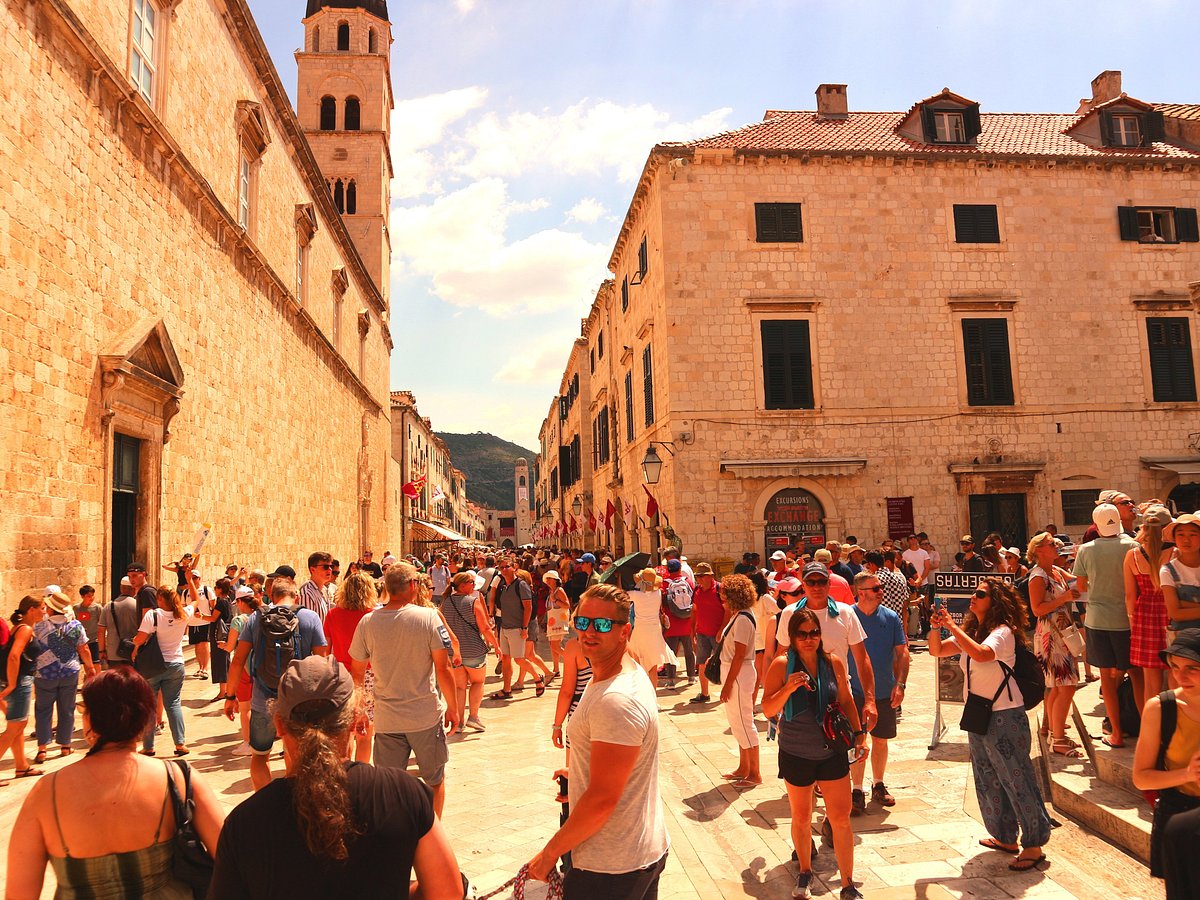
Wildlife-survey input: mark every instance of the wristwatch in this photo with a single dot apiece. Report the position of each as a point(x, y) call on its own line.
point(901, 685)
point(231, 696)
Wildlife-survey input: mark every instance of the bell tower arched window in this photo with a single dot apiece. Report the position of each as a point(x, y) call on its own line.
point(352, 114)
point(316, 39)
point(371, 40)
point(351, 198)
point(328, 113)
point(343, 36)
point(339, 196)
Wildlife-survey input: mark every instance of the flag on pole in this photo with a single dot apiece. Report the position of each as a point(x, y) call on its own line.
point(412, 489)
point(651, 503)
point(628, 513)
point(591, 521)
point(438, 493)
point(609, 512)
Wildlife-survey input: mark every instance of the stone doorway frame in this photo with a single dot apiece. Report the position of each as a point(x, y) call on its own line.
point(141, 386)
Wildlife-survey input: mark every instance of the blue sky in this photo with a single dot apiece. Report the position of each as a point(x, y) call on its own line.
point(521, 127)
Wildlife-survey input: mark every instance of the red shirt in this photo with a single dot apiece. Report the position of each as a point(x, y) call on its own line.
point(709, 611)
point(339, 631)
point(676, 627)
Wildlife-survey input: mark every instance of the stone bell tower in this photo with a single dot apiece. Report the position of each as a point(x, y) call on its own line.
point(344, 102)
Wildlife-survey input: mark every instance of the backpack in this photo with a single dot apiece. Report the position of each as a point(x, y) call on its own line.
point(1027, 672)
point(278, 644)
point(679, 598)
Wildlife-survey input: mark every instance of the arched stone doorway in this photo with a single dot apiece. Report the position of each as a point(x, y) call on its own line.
point(793, 517)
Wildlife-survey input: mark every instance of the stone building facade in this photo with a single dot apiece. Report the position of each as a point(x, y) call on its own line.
point(190, 332)
point(838, 323)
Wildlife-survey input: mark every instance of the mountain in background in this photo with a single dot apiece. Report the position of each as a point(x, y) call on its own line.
point(488, 462)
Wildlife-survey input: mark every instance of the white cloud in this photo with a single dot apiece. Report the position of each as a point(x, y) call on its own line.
point(464, 6)
point(460, 242)
point(419, 124)
point(587, 210)
point(540, 361)
point(588, 138)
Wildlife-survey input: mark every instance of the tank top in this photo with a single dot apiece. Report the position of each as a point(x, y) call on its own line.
point(459, 610)
point(1184, 743)
point(800, 727)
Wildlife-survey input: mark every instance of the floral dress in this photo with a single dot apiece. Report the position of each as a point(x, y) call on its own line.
point(1148, 628)
point(1059, 665)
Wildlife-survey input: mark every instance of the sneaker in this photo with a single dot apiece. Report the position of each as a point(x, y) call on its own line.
point(474, 724)
point(880, 794)
point(850, 892)
point(691, 680)
point(700, 698)
point(858, 801)
point(801, 888)
point(243, 749)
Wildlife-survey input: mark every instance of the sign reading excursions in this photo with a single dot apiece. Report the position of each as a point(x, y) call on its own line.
point(794, 516)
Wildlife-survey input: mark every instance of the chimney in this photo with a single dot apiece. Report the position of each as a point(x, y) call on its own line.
point(831, 101)
point(1106, 86)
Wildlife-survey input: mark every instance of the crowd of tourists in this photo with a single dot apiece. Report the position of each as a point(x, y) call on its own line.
point(357, 673)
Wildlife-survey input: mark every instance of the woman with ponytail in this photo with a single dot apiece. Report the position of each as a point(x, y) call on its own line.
point(105, 824)
point(18, 682)
point(1145, 603)
point(334, 827)
point(169, 625)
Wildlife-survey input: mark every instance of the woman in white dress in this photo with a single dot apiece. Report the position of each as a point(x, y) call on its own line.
point(646, 644)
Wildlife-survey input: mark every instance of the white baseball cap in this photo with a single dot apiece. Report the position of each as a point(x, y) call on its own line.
point(778, 554)
point(1107, 519)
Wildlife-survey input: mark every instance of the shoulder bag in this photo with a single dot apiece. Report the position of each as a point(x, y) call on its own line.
point(191, 863)
point(149, 659)
point(712, 668)
point(977, 711)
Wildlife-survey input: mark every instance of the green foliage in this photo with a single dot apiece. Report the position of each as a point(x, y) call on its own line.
point(488, 462)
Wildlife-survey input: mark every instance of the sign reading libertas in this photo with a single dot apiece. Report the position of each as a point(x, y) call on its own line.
point(796, 515)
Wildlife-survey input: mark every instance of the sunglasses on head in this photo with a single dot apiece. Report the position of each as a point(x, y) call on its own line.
point(601, 625)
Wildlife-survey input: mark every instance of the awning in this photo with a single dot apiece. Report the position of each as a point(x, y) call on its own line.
point(1180, 465)
point(784, 468)
point(438, 534)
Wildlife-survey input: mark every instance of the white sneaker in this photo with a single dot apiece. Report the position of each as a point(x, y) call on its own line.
point(474, 724)
point(243, 749)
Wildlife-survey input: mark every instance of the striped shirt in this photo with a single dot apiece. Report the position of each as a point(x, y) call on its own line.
point(313, 598)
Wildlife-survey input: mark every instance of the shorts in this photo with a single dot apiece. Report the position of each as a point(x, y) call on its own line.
point(1107, 649)
point(885, 725)
point(429, 746)
point(533, 631)
point(245, 688)
point(474, 662)
point(706, 644)
point(368, 694)
point(198, 634)
point(512, 643)
point(800, 772)
point(18, 700)
point(262, 732)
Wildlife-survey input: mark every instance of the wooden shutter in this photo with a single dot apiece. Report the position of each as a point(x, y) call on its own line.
point(1152, 127)
point(576, 461)
point(1172, 374)
point(564, 466)
point(1185, 225)
point(777, 223)
point(988, 364)
point(787, 364)
point(1106, 128)
point(625, 294)
point(643, 258)
point(648, 383)
point(1127, 222)
point(976, 223)
point(929, 123)
point(629, 407)
point(971, 122)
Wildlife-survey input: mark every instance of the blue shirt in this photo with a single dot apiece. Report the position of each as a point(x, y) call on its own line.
point(311, 635)
point(884, 634)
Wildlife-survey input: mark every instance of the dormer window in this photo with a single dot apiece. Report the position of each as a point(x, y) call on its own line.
point(1126, 131)
point(1124, 127)
point(950, 119)
point(949, 127)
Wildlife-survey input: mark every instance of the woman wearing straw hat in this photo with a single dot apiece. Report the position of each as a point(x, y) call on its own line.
point(558, 611)
point(647, 644)
point(63, 646)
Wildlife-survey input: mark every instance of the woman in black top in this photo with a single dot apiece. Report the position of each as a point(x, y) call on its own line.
point(332, 828)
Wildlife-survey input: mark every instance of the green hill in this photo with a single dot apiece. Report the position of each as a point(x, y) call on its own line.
point(488, 462)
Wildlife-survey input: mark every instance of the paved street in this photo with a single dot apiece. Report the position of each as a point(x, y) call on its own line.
point(725, 842)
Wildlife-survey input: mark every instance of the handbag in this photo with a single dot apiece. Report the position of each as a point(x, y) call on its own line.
point(191, 863)
point(977, 711)
point(149, 660)
point(712, 668)
point(838, 731)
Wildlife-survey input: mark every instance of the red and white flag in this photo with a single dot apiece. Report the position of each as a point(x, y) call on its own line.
point(651, 503)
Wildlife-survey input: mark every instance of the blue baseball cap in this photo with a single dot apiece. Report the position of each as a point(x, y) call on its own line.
point(587, 558)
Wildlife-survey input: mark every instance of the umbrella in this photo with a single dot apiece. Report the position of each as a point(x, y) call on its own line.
point(626, 567)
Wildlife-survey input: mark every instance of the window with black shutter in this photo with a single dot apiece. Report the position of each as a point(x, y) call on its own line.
point(648, 383)
point(625, 293)
point(976, 223)
point(957, 125)
point(564, 466)
point(777, 223)
point(629, 407)
point(600, 432)
point(576, 461)
point(643, 261)
point(592, 360)
point(600, 345)
point(1158, 224)
point(1171, 370)
point(787, 364)
point(989, 367)
point(1129, 128)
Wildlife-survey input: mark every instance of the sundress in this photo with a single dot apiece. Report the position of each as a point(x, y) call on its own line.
point(1148, 629)
point(1059, 665)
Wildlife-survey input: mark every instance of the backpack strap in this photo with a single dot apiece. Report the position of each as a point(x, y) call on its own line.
point(1166, 728)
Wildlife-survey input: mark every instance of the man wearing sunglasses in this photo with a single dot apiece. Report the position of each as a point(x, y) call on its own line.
point(616, 833)
point(320, 573)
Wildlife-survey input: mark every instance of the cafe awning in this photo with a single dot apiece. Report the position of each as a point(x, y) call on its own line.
point(1183, 466)
point(435, 534)
point(785, 468)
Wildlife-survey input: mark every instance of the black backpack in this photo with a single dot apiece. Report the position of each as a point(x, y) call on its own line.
point(278, 644)
point(1027, 672)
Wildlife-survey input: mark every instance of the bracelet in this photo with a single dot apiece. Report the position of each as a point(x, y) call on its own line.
point(901, 685)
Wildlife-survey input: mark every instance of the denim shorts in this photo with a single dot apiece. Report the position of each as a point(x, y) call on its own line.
point(262, 732)
point(474, 662)
point(18, 700)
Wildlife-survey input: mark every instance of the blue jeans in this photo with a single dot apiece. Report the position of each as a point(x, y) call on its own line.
point(1005, 783)
point(169, 683)
point(51, 693)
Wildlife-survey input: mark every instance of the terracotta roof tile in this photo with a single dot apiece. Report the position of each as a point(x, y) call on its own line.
point(1180, 110)
point(1004, 134)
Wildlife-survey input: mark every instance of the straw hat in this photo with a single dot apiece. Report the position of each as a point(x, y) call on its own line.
point(649, 579)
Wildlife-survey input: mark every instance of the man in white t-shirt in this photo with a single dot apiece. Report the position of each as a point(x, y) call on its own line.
point(920, 561)
point(616, 832)
point(841, 632)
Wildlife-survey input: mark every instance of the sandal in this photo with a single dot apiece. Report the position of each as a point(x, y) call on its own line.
point(39, 757)
point(1107, 741)
point(146, 752)
point(182, 751)
point(1067, 749)
point(539, 687)
point(501, 695)
point(1025, 863)
point(29, 772)
point(65, 751)
point(993, 844)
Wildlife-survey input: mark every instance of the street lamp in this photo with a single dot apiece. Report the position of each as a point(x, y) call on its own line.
point(577, 506)
point(652, 465)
